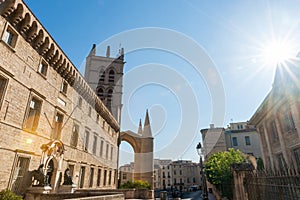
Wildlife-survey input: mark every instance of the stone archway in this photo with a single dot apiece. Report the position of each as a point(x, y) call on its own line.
point(52, 158)
point(142, 144)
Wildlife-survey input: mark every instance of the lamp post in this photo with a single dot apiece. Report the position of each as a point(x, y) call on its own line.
point(204, 186)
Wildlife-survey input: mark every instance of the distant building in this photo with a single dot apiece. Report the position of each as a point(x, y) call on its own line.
point(168, 174)
point(185, 174)
point(243, 137)
point(213, 140)
point(278, 119)
point(126, 173)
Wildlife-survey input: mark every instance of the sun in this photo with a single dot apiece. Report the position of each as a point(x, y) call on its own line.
point(277, 52)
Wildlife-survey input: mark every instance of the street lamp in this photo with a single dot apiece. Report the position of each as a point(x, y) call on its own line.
point(204, 186)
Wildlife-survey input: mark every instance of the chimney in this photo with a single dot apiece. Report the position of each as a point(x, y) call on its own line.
point(108, 52)
point(212, 126)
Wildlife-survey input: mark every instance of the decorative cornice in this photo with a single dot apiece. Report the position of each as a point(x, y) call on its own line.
point(28, 26)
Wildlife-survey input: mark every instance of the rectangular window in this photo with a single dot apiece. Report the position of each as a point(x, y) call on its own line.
point(79, 102)
point(234, 141)
point(105, 176)
point(58, 122)
point(91, 177)
point(274, 131)
point(101, 148)
point(99, 177)
point(281, 162)
point(3, 84)
point(288, 121)
point(107, 149)
point(124, 175)
point(10, 37)
point(64, 87)
point(43, 68)
point(247, 140)
point(19, 173)
point(90, 111)
point(109, 177)
point(33, 114)
point(74, 137)
point(95, 144)
point(297, 158)
point(86, 140)
point(111, 152)
point(81, 177)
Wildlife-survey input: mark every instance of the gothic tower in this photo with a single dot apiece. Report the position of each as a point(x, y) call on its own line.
point(105, 76)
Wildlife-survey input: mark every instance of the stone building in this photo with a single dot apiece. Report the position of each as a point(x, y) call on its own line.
point(213, 140)
point(126, 173)
point(48, 113)
point(168, 174)
point(105, 76)
point(165, 174)
point(185, 174)
point(278, 119)
point(243, 137)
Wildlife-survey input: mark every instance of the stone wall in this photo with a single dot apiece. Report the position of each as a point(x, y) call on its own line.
point(128, 193)
point(19, 67)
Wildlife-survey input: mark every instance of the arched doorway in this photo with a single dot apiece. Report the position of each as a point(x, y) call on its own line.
point(52, 158)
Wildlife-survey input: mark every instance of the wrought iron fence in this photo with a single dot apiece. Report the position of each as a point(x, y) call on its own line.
point(261, 185)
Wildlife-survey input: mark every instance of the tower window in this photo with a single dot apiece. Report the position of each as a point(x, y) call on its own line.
point(109, 98)
point(111, 77)
point(100, 93)
point(102, 76)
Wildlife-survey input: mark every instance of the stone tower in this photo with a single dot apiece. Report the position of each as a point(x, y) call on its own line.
point(105, 76)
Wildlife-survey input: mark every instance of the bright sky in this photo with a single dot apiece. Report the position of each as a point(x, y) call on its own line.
point(238, 36)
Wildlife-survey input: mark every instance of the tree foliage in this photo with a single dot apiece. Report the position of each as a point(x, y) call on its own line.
point(217, 167)
point(136, 184)
point(9, 195)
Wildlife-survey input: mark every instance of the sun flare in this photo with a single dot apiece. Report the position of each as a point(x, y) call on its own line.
point(277, 52)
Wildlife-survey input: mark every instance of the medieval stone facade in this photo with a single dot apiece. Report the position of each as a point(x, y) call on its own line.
point(278, 120)
point(48, 113)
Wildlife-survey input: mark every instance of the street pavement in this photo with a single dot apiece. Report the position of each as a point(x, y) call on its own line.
point(196, 196)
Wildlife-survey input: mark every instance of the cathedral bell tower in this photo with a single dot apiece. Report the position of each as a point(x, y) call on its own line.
point(104, 74)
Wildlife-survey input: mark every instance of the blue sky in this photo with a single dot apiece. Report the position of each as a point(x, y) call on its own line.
point(233, 34)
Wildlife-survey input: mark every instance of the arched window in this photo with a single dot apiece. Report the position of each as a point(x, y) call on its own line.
point(102, 76)
point(100, 93)
point(111, 76)
point(109, 98)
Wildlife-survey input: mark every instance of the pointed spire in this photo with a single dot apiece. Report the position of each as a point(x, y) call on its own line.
point(93, 50)
point(140, 131)
point(147, 128)
point(108, 52)
point(121, 53)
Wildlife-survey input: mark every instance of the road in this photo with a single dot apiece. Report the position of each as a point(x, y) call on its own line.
point(196, 196)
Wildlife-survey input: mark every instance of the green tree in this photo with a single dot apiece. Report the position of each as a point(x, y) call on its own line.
point(217, 167)
point(136, 184)
point(9, 195)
